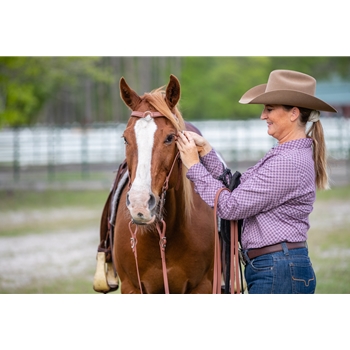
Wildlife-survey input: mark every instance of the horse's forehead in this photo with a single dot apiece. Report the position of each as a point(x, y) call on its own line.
point(161, 122)
point(144, 106)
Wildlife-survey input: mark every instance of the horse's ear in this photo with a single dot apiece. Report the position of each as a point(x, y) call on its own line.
point(128, 95)
point(173, 92)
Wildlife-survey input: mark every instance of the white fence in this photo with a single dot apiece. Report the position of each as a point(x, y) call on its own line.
point(235, 140)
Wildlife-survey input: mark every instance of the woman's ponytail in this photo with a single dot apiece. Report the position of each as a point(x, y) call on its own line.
point(320, 155)
point(319, 145)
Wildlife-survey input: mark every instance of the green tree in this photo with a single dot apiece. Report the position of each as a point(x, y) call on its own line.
point(86, 89)
point(26, 83)
point(212, 86)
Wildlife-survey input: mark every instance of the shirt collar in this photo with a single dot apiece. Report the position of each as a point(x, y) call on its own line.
point(294, 144)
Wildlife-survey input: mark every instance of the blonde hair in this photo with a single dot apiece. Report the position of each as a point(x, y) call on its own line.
point(319, 146)
point(319, 154)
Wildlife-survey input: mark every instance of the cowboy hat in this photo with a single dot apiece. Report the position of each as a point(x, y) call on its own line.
point(287, 87)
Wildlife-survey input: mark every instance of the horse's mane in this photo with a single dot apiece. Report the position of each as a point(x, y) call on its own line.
point(156, 99)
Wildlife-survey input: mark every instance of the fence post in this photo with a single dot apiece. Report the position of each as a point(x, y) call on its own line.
point(51, 153)
point(16, 154)
point(84, 154)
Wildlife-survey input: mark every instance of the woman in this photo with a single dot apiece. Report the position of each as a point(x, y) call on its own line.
point(276, 196)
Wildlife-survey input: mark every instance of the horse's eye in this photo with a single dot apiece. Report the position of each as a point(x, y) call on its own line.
point(169, 139)
point(125, 140)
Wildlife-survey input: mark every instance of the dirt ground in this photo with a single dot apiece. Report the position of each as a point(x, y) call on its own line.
point(34, 258)
point(27, 260)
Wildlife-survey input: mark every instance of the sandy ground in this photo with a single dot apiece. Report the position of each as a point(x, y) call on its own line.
point(36, 257)
point(24, 260)
point(330, 214)
point(327, 217)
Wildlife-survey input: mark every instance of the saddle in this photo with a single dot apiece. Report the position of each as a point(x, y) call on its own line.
point(106, 277)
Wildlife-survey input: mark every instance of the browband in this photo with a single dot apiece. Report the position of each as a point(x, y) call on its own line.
point(145, 114)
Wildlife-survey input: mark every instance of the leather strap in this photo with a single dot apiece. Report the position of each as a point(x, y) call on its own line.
point(217, 253)
point(162, 245)
point(145, 114)
point(161, 232)
point(235, 271)
point(106, 229)
point(234, 263)
point(133, 242)
point(254, 253)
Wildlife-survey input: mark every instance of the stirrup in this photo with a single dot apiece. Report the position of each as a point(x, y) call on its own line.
point(112, 279)
point(104, 281)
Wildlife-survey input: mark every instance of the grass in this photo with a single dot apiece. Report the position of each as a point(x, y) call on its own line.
point(341, 193)
point(329, 241)
point(330, 255)
point(329, 236)
point(42, 211)
point(74, 285)
point(27, 200)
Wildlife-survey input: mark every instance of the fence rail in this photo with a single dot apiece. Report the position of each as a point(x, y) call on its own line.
point(237, 141)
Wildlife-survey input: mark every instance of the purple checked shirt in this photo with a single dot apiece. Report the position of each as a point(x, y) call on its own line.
point(275, 196)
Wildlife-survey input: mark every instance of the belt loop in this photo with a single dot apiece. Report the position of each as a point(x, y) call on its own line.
point(285, 248)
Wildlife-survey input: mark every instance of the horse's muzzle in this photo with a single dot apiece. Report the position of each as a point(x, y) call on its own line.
point(141, 207)
point(142, 222)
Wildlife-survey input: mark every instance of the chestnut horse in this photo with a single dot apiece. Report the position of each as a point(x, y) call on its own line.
point(163, 230)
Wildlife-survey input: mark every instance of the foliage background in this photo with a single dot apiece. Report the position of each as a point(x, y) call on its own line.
point(60, 90)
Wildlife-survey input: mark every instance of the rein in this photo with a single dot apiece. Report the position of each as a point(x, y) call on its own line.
point(234, 263)
point(160, 222)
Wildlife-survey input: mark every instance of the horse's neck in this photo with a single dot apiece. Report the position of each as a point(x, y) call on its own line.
point(174, 213)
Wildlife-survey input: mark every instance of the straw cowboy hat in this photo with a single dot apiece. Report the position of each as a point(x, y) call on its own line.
point(287, 87)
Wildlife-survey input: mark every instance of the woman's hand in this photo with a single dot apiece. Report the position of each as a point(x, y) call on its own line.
point(189, 145)
point(202, 144)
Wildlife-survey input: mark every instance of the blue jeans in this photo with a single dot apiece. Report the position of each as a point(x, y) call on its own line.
point(284, 272)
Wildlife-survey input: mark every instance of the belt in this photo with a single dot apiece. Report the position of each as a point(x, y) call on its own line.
point(254, 253)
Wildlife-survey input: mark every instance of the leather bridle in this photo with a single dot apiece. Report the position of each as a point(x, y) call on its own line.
point(160, 223)
point(161, 228)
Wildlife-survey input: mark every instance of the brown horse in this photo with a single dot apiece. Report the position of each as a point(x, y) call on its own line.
point(163, 230)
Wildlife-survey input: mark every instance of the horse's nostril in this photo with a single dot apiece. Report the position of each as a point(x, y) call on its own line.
point(140, 215)
point(127, 200)
point(151, 201)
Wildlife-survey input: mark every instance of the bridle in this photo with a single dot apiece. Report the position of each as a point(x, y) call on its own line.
point(161, 228)
point(160, 223)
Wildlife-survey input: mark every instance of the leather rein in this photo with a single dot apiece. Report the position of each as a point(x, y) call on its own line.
point(236, 287)
point(234, 264)
point(160, 224)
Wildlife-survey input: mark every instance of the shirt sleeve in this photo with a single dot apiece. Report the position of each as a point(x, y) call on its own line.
point(205, 176)
point(213, 164)
point(274, 182)
point(204, 183)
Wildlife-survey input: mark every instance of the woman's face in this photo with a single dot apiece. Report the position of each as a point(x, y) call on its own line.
point(279, 123)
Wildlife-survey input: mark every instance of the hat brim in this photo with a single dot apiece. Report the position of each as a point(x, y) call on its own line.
point(257, 95)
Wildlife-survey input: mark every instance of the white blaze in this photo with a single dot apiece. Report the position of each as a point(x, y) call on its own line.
point(145, 129)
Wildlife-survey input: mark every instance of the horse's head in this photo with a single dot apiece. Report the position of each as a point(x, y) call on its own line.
point(150, 147)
